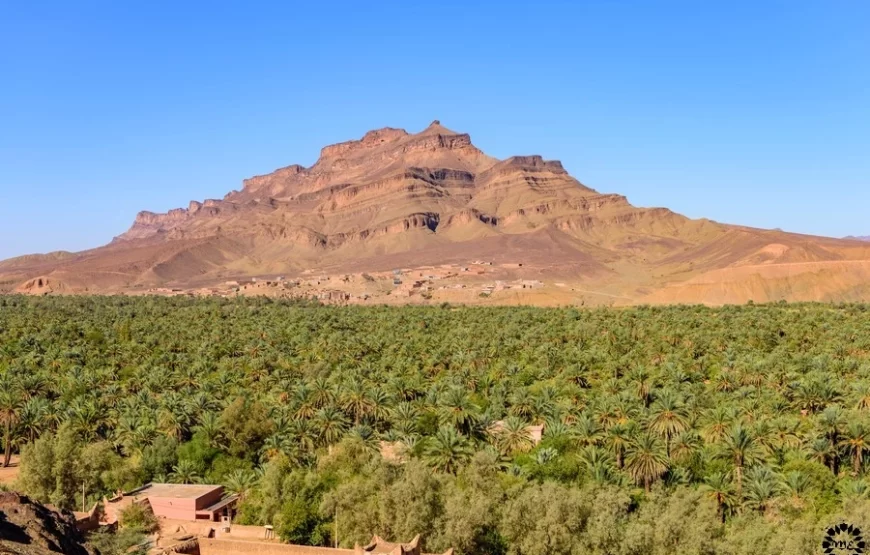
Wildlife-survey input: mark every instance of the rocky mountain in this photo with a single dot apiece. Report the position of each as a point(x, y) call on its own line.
point(28, 528)
point(399, 200)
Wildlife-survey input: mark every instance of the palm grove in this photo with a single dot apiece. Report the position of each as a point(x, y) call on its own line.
point(690, 429)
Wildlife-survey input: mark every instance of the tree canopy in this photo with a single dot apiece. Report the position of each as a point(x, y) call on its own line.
point(742, 429)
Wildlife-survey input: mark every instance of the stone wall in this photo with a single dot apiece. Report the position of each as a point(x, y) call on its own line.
point(218, 546)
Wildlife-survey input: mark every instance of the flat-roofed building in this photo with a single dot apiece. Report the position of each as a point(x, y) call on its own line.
point(176, 501)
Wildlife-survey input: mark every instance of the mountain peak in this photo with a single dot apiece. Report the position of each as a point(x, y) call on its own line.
point(436, 127)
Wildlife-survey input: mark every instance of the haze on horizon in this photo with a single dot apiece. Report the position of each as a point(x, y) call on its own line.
point(743, 113)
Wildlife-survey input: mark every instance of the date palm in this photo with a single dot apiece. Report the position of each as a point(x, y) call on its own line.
point(856, 442)
point(513, 436)
point(686, 447)
point(11, 404)
point(330, 424)
point(796, 484)
point(185, 472)
point(830, 425)
point(646, 461)
point(404, 417)
point(618, 439)
point(668, 417)
point(741, 448)
point(718, 487)
point(356, 400)
point(34, 417)
point(762, 486)
point(447, 450)
point(241, 483)
point(456, 409)
point(717, 422)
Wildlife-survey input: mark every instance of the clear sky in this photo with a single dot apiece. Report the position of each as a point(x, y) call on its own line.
point(754, 112)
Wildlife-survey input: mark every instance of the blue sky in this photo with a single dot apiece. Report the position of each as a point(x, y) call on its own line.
point(752, 112)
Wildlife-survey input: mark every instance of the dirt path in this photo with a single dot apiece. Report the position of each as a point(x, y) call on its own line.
point(10, 473)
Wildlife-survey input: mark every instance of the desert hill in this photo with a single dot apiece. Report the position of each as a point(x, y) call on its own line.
point(399, 200)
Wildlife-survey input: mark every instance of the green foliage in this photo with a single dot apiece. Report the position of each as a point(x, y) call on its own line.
point(137, 518)
point(666, 429)
point(56, 468)
point(118, 542)
point(158, 458)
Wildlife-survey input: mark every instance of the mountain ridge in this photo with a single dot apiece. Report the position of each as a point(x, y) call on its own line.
point(394, 199)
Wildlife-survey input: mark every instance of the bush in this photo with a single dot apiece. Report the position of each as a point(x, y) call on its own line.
point(120, 542)
point(139, 519)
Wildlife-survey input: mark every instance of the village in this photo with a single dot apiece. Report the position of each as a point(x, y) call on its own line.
point(447, 282)
point(197, 519)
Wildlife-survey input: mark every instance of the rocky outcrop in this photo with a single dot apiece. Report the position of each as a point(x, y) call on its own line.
point(42, 285)
point(28, 528)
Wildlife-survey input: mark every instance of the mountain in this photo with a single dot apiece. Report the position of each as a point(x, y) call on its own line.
point(859, 237)
point(398, 200)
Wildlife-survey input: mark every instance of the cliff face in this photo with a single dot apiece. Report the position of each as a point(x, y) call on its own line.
point(398, 199)
point(387, 182)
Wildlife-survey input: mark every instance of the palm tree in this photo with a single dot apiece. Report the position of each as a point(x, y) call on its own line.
point(321, 393)
point(779, 436)
point(830, 425)
point(687, 445)
point(404, 416)
point(742, 449)
point(587, 431)
point(762, 486)
point(642, 382)
point(331, 424)
point(447, 450)
point(862, 393)
point(718, 421)
point(185, 472)
point(513, 436)
point(522, 404)
point(557, 430)
point(668, 417)
point(599, 466)
point(10, 408)
point(34, 417)
point(356, 400)
point(796, 484)
point(456, 408)
point(209, 426)
point(645, 461)
point(275, 445)
point(856, 441)
point(86, 417)
point(719, 488)
point(241, 483)
point(618, 439)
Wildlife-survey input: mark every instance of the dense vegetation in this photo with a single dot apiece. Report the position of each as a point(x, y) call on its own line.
point(682, 429)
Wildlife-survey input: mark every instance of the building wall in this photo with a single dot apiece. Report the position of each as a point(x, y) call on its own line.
point(240, 531)
point(209, 498)
point(171, 507)
point(213, 546)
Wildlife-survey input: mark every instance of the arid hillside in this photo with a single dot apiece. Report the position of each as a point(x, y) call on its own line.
point(395, 200)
